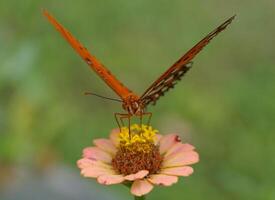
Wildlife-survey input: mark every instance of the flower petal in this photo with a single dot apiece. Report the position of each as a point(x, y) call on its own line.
point(114, 136)
point(167, 141)
point(180, 159)
point(86, 162)
point(105, 145)
point(141, 187)
point(106, 179)
point(93, 169)
point(139, 175)
point(179, 147)
point(95, 153)
point(94, 172)
point(178, 171)
point(161, 179)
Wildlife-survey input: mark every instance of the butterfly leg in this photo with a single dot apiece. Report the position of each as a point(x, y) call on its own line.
point(129, 126)
point(119, 119)
point(149, 117)
point(140, 121)
point(124, 116)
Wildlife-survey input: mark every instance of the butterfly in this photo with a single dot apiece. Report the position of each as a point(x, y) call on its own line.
point(133, 104)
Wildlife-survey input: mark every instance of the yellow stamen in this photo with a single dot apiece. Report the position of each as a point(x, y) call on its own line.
point(139, 135)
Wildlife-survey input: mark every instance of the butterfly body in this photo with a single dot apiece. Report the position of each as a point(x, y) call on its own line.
point(133, 104)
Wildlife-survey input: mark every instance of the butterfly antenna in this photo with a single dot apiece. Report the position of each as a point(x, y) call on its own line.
point(90, 93)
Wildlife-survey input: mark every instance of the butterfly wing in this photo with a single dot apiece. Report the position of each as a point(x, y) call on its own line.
point(169, 78)
point(99, 68)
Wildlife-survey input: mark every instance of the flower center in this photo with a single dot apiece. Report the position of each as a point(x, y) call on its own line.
point(137, 151)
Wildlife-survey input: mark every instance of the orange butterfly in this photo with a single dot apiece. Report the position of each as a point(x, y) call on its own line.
point(133, 104)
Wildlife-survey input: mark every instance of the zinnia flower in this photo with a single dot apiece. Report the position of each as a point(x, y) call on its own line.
point(140, 159)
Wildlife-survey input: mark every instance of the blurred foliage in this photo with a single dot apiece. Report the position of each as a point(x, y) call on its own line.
point(224, 105)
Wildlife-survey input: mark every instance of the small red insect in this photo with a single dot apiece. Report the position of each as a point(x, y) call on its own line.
point(133, 104)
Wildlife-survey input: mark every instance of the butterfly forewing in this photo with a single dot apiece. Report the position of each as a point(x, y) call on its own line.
point(165, 84)
point(169, 78)
point(99, 68)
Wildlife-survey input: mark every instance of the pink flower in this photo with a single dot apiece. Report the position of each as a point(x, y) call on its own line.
point(142, 159)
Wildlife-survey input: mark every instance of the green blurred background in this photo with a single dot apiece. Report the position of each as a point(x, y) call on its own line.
point(224, 105)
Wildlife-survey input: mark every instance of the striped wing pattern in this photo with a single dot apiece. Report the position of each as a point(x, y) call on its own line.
point(169, 78)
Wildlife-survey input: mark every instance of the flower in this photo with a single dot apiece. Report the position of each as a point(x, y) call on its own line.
point(142, 158)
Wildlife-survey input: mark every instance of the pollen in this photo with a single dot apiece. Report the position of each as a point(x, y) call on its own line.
point(137, 134)
point(137, 150)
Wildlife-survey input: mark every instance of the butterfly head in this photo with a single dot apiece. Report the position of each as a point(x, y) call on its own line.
point(131, 104)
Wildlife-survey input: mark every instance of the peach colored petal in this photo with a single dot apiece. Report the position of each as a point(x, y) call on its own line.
point(86, 162)
point(95, 153)
point(161, 179)
point(139, 175)
point(177, 148)
point(180, 159)
point(93, 169)
point(94, 172)
point(167, 141)
point(107, 179)
point(157, 139)
point(178, 171)
point(106, 145)
point(141, 187)
point(114, 136)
